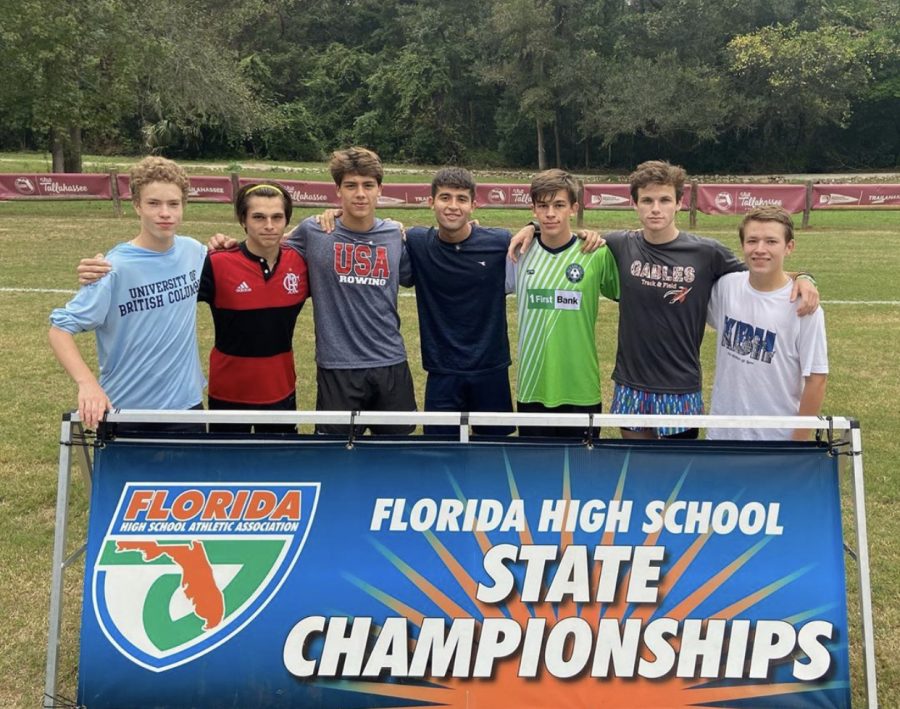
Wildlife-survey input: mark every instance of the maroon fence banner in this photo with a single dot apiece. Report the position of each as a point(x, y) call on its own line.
point(837, 196)
point(618, 196)
point(739, 199)
point(55, 186)
point(202, 189)
point(607, 197)
point(324, 193)
point(123, 187)
point(502, 195)
point(211, 189)
point(711, 199)
point(404, 195)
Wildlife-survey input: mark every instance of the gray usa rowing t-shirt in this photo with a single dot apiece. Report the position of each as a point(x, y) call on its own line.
point(354, 278)
point(665, 292)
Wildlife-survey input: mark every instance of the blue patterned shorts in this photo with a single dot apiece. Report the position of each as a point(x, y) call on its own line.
point(634, 401)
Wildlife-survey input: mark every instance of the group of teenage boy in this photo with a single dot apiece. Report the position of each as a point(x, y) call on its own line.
point(141, 302)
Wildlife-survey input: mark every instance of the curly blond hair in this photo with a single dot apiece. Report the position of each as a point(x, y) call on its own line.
point(157, 169)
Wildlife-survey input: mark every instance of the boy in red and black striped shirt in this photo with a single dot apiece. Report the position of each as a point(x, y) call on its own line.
point(255, 292)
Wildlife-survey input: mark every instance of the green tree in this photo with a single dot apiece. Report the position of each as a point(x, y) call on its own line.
point(712, 83)
point(425, 91)
point(189, 80)
point(333, 92)
point(86, 67)
point(799, 80)
point(523, 54)
point(72, 69)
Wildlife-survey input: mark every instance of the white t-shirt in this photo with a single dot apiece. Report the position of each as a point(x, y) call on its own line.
point(763, 352)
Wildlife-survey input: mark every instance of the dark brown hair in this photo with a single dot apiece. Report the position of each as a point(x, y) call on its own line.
point(261, 189)
point(355, 161)
point(657, 172)
point(456, 177)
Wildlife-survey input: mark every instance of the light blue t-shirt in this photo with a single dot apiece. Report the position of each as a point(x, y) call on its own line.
point(144, 314)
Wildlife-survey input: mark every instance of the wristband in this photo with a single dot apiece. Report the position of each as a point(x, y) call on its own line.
point(803, 275)
point(537, 227)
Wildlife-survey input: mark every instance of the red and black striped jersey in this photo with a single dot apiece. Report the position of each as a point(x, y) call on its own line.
point(254, 311)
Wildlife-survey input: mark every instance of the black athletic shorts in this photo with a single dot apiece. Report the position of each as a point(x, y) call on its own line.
point(371, 389)
point(287, 404)
point(530, 407)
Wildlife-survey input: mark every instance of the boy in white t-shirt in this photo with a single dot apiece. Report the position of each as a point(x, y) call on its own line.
point(769, 361)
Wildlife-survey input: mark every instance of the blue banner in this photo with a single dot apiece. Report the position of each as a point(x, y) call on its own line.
point(419, 574)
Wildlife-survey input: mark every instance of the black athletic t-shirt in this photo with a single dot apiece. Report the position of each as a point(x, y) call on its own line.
point(665, 292)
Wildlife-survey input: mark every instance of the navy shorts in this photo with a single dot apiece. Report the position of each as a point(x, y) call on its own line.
point(469, 392)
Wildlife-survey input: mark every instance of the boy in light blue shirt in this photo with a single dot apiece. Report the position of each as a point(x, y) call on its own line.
point(144, 313)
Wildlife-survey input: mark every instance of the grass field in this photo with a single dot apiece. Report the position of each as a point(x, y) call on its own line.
point(854, 255)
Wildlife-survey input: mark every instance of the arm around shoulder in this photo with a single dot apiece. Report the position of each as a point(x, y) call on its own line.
point(512, 272)
point(92, 269)
point(727, 261)
point(610, 285)
point(220, 242)
point(207, 290)
point(407, 272)
point(804, 289)
point(520, 242)
point(296, 238)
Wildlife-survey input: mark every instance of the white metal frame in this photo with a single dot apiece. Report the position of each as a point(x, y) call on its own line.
point(74, 444)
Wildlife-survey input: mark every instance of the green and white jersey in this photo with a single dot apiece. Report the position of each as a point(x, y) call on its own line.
point(558, 292)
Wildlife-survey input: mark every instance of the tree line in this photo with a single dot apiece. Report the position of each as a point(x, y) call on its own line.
point(717, 85)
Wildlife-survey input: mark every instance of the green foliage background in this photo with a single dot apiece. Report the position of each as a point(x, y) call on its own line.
point(716, 85)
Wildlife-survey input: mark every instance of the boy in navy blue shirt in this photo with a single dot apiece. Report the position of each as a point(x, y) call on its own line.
point(460, 272)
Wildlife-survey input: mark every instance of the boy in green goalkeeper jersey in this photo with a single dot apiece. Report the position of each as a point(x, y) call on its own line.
point(558, 289)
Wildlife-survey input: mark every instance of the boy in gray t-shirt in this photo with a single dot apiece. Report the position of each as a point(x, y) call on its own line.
point(354, 276)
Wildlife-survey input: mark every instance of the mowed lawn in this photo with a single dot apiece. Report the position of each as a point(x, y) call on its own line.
point(854, 255)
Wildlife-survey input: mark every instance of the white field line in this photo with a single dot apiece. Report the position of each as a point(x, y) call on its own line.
point(861, 302)
point(37, 290)
point(411, 294)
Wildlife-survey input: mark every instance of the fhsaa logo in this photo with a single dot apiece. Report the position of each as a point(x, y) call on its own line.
point(185, 567)
point(574, 272)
